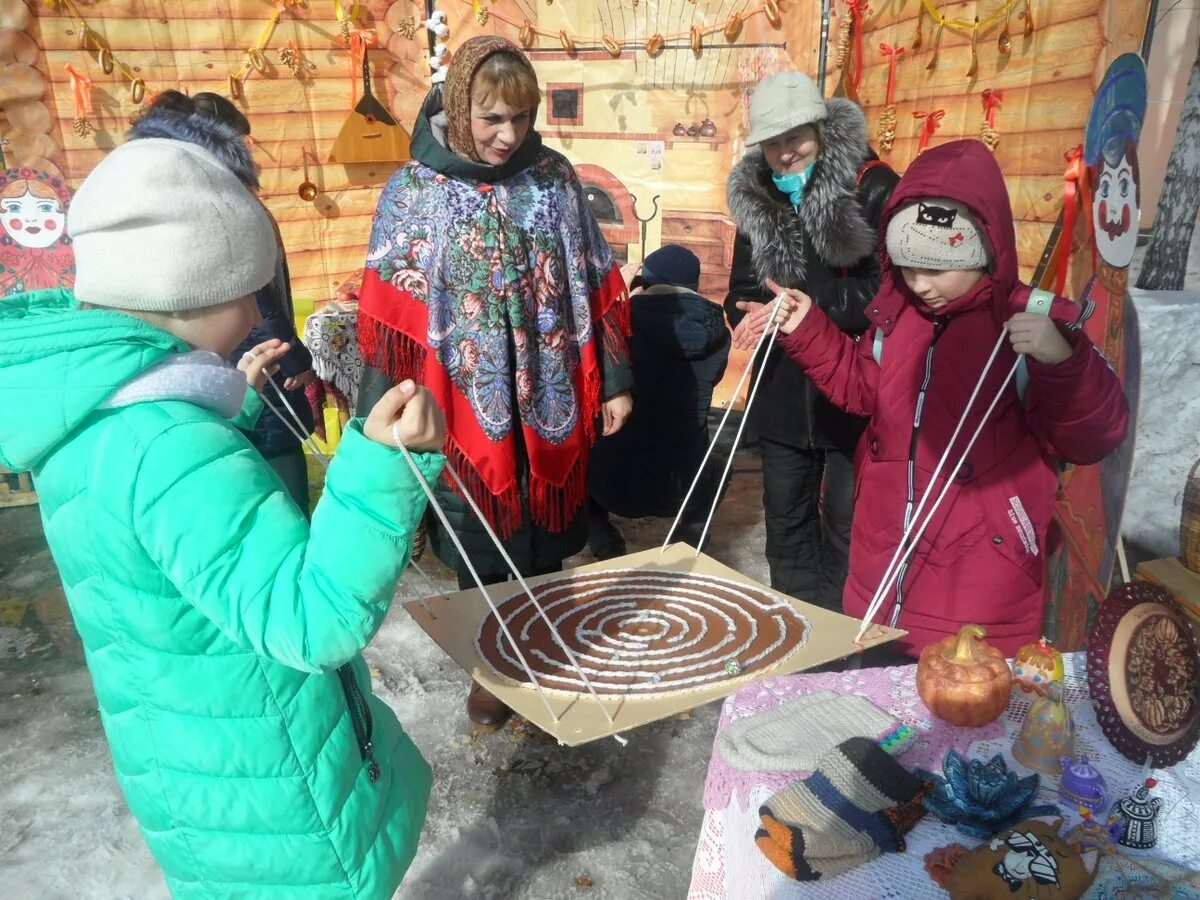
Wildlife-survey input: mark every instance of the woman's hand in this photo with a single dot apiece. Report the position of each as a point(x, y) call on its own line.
point(259, 362)
point(792, 309)
point(1037, 336)
point(616, 411)
point(304, 379)
point(409, 415)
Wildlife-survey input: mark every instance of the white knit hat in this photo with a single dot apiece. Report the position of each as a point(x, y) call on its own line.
point(936, 233)
point(162, 226)
point(782, 102)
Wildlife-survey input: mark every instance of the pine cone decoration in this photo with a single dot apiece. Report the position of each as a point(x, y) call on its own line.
point(887, 127)
point(408, 28)
point(989, 136)
point(82, 126)
point(482, 16)
point(843, 41)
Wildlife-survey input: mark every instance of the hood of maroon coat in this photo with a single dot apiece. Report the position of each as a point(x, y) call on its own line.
point(965, 171)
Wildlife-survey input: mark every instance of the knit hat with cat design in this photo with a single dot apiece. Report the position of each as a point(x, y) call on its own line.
point(936, 233)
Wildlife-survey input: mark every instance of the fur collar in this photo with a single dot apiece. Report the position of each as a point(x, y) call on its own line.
point(198, 377)
point(831, 222)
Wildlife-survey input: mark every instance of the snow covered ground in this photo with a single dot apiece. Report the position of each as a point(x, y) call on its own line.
point(511, 816)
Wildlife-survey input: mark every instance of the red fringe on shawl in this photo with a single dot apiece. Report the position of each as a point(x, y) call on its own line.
point(391, 329)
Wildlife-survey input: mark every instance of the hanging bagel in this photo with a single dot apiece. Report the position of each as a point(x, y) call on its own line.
point(106, 61)
point(733, 27)
point(137, 91)
point(567, 43)
point(697, 39)
point(527, 36)
point(611, 45)
point(771, 8)
point(257, 60)
point(235, 88)
point(654, 46)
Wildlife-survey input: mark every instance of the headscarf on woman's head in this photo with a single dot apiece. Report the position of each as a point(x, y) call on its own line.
point(456, 93)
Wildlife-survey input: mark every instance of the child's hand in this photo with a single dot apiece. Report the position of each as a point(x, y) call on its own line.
point(409, 414)
point(792, 310)
point(1037, 336)
point(258, 363)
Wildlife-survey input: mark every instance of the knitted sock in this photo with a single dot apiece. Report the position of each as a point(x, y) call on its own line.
point(857, 804)
point(795, 735)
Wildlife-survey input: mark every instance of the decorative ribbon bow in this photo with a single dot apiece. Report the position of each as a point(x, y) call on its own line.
point(1074, 190)
point(857, 9)
point(933, 121)
point(360, 40)
point(81, 87)
point(893, 54)
point(991, 104)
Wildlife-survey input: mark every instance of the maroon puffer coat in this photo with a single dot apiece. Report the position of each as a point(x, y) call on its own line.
point(982, 557)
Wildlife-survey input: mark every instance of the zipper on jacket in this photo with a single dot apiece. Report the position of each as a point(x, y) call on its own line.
point(360, 715)
point(939, 329)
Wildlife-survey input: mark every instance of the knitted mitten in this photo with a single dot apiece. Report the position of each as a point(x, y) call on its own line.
point(795, 735)
point(857, 804)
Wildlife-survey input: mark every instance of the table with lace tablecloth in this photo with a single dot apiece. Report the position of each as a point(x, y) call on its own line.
point(331, 337)
point(729, 866)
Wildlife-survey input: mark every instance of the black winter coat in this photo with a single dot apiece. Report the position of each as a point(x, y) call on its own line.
point(679, 349)
point(828, 250)
point(270, 435)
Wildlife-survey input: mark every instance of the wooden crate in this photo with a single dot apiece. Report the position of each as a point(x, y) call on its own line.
point(1181, 581)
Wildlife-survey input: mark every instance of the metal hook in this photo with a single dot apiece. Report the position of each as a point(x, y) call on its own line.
point(645, 222)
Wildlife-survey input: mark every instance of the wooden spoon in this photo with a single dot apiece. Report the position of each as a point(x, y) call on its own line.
point(1004, 42)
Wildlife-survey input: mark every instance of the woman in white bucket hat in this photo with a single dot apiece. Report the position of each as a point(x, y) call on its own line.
point(806, 199)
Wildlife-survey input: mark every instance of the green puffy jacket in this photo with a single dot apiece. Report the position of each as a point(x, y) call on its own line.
point(218, 624)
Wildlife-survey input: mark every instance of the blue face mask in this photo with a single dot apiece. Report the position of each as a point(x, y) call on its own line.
point(794, 183)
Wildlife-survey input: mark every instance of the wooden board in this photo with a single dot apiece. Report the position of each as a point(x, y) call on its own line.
point(453, 622)
point(1182, 582)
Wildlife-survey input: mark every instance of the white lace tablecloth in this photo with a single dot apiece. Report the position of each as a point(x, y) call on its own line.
point(332, 339)
point(729, 866)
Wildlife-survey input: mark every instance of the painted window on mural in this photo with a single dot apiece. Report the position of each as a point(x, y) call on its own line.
point(566, 104)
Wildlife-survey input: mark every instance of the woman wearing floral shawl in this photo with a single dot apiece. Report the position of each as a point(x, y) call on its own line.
point(489, 282)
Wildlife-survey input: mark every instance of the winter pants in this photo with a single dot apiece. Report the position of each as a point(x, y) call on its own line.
point(808, 541)
point(292, 469)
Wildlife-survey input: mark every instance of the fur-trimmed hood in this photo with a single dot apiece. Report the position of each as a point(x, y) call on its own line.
point(221, 140)
point(831, 221)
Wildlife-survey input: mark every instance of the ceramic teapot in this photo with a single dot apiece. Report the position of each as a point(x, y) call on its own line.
point(1082, 784)
point(1132, 822)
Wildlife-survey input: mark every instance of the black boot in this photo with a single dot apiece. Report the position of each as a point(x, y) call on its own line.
point(604, 540)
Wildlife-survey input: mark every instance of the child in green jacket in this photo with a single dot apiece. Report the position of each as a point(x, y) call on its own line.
point(223, 631)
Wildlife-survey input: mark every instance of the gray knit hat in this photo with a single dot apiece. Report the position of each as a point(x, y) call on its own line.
point(936, 233)
point(163, 226)
point(782, 102)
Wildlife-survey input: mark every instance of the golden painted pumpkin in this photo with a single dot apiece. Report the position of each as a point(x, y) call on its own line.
point(964, 680)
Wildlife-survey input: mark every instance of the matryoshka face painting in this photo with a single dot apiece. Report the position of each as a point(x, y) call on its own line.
point(1115, 213)
point(34, 222)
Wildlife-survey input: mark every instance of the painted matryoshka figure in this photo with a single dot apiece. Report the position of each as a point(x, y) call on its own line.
point(35, 251)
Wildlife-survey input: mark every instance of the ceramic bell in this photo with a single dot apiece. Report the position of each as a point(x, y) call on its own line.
point(1034, 667)
point(1132, 821)
point(1083, 785)
point(1047, 735)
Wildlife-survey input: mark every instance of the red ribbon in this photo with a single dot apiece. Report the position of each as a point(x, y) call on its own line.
point(933, 121)
point(991, 103)
point(893, 54)
point(360, 40)
point(1074, 189)
point(857, 9)
point(81, 87)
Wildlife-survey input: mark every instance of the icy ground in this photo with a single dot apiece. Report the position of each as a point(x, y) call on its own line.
point(511, 816)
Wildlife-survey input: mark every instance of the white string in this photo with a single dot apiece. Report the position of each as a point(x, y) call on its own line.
point(305, 437)
point(716, 436)
point(881, 591)
point(528, 592)
point(887, 586)
point(441, 514)
point(737, 439)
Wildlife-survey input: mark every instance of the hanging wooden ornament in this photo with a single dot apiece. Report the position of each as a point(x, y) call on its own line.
point(988, 133)
point(81, 89)
point(370, 133)
point(1028, 18)
point(933, 121)
point(887, 119)
point(937, 45)
point(733, 28)
point(974, 67)
point(1004, 42)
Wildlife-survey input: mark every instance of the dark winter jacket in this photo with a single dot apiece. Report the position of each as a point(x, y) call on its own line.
point(981, 559)
point(825, 250)
point(679, 348)
point(270, 435)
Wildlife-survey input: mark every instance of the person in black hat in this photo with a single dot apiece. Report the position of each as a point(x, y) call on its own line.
point(679, 349)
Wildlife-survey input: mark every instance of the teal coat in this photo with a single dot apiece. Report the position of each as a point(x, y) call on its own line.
point(215, 618)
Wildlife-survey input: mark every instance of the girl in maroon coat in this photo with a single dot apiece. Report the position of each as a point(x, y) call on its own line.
point(949, 288)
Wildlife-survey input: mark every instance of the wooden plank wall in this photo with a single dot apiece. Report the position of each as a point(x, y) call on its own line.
point(193, 46)
point(1047, 80)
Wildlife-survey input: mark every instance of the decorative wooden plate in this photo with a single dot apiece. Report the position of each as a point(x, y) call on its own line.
point(1143, 668)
